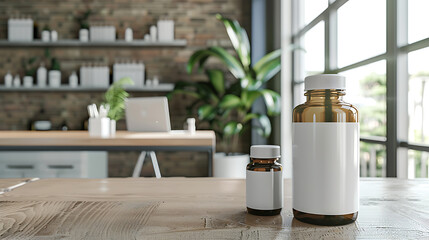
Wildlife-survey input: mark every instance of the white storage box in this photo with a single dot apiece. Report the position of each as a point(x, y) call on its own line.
point(135, 71)
point(102, 33)
point(20, 29)
point(165, 30)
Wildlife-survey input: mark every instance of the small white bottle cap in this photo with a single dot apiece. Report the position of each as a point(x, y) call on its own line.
point(325, 81)
point(265, 151)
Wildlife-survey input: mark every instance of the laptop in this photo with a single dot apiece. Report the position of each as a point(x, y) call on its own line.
point(147, 114)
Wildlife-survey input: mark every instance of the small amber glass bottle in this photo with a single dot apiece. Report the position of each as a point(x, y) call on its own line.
point(264, 181)
point(325, 154)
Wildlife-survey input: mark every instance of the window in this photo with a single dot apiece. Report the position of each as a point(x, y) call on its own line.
point(382, 48)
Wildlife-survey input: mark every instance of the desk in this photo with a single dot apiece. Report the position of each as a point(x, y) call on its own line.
point(196, 208)
point(123, 141)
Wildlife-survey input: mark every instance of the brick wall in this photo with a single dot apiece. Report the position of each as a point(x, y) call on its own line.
point(194, 21)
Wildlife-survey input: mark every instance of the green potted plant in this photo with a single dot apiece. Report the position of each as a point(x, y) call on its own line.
point(55, 73)
point(114, 101)
point(30, 70)
point(226, 107)
point(83, 22)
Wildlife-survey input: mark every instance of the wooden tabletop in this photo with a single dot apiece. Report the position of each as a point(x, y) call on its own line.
point(197, 208)
point(122, 138)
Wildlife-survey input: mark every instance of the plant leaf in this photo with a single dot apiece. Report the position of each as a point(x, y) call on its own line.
point(206, 112)
point(249, 117)
point(239, 39)
point(229, 101)
point(115, 97)
point(276, 54)
point(272, 101)
point(234, 66)
point(232, 128)
point(265, 125)
point(249, 97)
point(267, 72)
point(217, 80)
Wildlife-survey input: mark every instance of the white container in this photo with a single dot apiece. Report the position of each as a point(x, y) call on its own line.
point(54, 36)
point(46, 36)
point(112, 127)
point(17, 81)
point(153, 33)
point(233, 166)
point(134, 70)
point(155, 81)
point(73, 81)
point(99, 127)
point(20, 29)
point(84, 35)
point(28, 81)
point(128, 35)
point(165, 30)
point(8, 79)
point(42, 75)
point(191, 125)
point(326, 155)
point(54, 78)
point(146, 37)
point(102, 33)
point(264, 189)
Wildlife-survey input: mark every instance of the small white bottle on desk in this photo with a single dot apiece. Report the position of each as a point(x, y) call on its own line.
point(264, 181)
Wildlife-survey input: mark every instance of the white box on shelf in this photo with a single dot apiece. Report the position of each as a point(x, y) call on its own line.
point(165, 30)
point(135, 71)
point(94, 76)
point(102, 33)
point(20, 29)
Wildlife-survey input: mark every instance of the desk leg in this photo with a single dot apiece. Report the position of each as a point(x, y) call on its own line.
point(138, 168)
point(210, 164)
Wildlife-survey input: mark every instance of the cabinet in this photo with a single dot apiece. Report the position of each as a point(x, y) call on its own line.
point(53, 164)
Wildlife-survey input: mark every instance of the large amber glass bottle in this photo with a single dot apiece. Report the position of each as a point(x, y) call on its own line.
point(325, 154)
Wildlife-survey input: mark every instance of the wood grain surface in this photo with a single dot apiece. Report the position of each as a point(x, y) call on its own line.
point(199, 208)
point(122, 138)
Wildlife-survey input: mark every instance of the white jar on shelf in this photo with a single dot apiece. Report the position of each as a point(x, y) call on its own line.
point(83, 35)
point(55, 78)
point(28, 81)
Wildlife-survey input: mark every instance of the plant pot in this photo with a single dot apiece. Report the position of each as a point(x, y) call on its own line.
point(230, 166)
point(112, 128)
point(55, 78)
point(28, 81)
point(83, 35)
point(46, 36)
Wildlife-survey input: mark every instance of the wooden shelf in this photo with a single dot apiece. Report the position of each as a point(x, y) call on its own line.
point(77, 43)
point(165, 87)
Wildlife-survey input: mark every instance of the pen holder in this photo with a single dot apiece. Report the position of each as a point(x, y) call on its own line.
point(99, 127)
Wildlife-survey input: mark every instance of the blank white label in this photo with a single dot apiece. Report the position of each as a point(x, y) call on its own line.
point(326, 168)
point(264, 190)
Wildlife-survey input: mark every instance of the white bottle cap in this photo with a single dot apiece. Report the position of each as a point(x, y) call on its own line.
point(265, 151)
point(325, 81)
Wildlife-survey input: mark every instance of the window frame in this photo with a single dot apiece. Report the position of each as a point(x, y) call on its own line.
point(396, 57)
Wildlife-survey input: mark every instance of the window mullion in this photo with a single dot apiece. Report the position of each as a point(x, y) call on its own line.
point(331, 36)
point(402, 87)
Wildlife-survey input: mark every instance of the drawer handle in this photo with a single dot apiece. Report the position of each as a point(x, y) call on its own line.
point(61, 166)
point(20, 166)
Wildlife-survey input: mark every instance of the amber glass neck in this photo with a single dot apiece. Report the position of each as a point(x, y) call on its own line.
point(334, 95)
point(264, 161)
